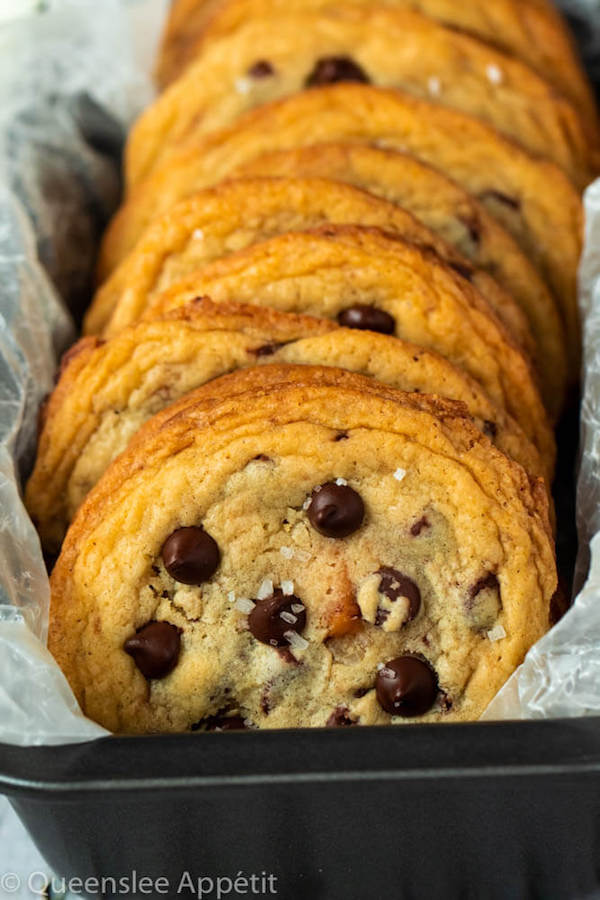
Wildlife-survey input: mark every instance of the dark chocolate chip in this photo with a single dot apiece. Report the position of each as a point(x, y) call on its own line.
point(339, 718)
point(191, 555)
point(367, 318)
point(332, 69)
point(261, 69)
point(273, 617)
point(419, 526)
point(267, 349)
point(336, 510)
point(488, 582)
point(406, 686)
point(155, 648)
point(490, 429)
point(394, 585)
point(501, 198)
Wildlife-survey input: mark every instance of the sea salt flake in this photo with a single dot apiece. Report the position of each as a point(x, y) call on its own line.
point(266, 589)
point(198, 234)
point(295, 640)
point(380, 666)
point(231, 596)
point(496, 633)
point(287, 552)
point(297, 608)
point(494, 74)
point(287, 587)
point(341, 482)
point(307, 503)
point(244, 605)
point(288, 617)
point(243, 85)
point(399, 474)
point(434, 86)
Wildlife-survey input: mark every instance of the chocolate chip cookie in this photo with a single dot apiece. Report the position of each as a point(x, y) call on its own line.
point(272, 57)
point(531, 31)
point(108, 389)
point(365, 279)
point(513, 185)
point(301, 547)
point(215, 222)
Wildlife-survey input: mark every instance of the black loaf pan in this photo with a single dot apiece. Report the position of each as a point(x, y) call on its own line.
point(489, 811)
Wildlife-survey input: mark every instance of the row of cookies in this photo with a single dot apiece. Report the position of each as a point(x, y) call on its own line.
point(369, 214)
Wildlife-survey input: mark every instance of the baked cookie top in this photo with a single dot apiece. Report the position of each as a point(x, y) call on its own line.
point(233, 215)
point(108, 389)
point(460, 219)
point(353, 274)
point(276, 546)
point(272, 57)
point(511, 183)
point(531, 30)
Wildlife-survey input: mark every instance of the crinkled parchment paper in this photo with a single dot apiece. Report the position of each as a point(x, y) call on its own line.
point(72, 75)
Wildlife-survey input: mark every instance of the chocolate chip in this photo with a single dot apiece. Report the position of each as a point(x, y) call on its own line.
point(336, 510)
point(267, 349)
point(191, 555)
point(341, 436)
point(155, 648)
point(395, 585)
point(339, 718)
point(490, 429)
point(367, 318)
point(489, 582)
point(332, 69)
point(273, 618)
point(419, 526)
point(261, 69)
point(501, 198)
point(406, 686)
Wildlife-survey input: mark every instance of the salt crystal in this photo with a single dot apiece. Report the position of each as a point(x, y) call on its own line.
point(243, 85)
point(287, 587)
point(288, 617)
point(399, 474)
point(435, 86)
point(380, 666)
point(295, 640)
point(287, 552)
point(244, 605)
point(198, 234)
point(266, 589)
point(231, 596)
point(341, 481)
point(303, 555)
point(496, 633)
point(307, 503)
point(494, 74)
point(297, 608)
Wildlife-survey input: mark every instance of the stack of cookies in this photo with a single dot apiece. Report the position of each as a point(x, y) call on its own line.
point(297, 472)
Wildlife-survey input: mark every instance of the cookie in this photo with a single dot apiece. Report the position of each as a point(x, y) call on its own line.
point(355, 275)
point(511, 184)
point(215, 222)
point(320, 548)
point(107, 390)
point(531, 31)
point(457, 217)
point(269, 58)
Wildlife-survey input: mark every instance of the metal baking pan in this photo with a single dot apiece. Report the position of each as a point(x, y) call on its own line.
point(498, 810)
